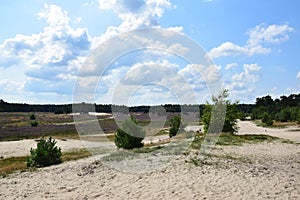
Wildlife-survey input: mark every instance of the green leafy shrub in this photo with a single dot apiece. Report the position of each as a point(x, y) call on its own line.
point(46, 154)
point(175, 123)
point(34, 123)
point(130, 135)
point(32, 116)
point(267, 119)
point(232, 114)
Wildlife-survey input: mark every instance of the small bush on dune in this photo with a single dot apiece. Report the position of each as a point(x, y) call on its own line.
point(32, 116)
point(34, 123)
point(46, 154)
point(175, 124)
point(130, 136)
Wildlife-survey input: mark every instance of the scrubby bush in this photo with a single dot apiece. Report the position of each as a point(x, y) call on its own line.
point(46, 153)
point(32, 116)
point(284, 115)
point(34, 123)
point(232, 114)
point(175, 123)
point(267, 119)
point(130, 135)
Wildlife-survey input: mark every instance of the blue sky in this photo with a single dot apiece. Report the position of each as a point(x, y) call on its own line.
point(253, 44)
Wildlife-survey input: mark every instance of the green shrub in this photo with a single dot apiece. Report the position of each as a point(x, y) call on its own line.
point(34, 123)
point(232, 114)
point(46, 153)
point(32, 116)
point(130, 136)
point(267, 119)
point(175, 123)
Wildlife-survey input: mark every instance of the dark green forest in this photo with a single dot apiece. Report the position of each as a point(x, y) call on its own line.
point(284, 109)
point(82, 107)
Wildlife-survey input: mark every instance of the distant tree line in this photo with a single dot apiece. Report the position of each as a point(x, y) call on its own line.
point(85, 107)
point(284, 109)
point(23, 107)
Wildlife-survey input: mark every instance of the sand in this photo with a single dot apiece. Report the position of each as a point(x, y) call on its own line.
point(252, 171)
point(248, 127)
point(22, 147)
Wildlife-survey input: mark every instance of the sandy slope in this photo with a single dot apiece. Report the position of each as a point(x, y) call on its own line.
point(247, 127)
point(22, 147)
point(251, 171)
point(263, 174)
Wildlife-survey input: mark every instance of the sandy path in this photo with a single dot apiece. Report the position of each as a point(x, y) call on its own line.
point(248, 127)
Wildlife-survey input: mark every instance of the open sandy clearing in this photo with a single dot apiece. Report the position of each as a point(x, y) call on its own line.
point(22, 147)
point(252, 171)
point(248, 127)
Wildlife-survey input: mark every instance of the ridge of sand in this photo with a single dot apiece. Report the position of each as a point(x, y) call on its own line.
point(257, 171)
point(252, 171)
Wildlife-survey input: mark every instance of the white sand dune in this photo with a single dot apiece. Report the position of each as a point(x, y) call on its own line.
point(251, 171)
point(22, 147)
point(248, 127)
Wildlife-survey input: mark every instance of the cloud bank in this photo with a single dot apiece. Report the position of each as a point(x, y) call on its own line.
point(259, 37)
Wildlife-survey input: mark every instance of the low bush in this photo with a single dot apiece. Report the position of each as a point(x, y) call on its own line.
point(267, 119)
point(130, 135)
point(175, 124)
point(34, 123)
point(32, 116)
point(46, 154)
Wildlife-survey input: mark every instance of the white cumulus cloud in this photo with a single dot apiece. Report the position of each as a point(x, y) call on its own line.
point(137, 12)
point(270, 34)
point(134, 14)
point(150, 72)
point(231, 66)
point(51, 57)
point(258, 36)
point(249, 73)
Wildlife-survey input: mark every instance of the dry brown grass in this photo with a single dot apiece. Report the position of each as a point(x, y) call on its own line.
point(280, 124)
point(10, 165)
point(13, 164)
point(75, 155)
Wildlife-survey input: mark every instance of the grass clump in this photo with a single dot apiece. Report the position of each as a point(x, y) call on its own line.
point(226, 139)
point(147, 149)
point(233, 139)
point(218, 160)
point(10, 165)
point(75, 155)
